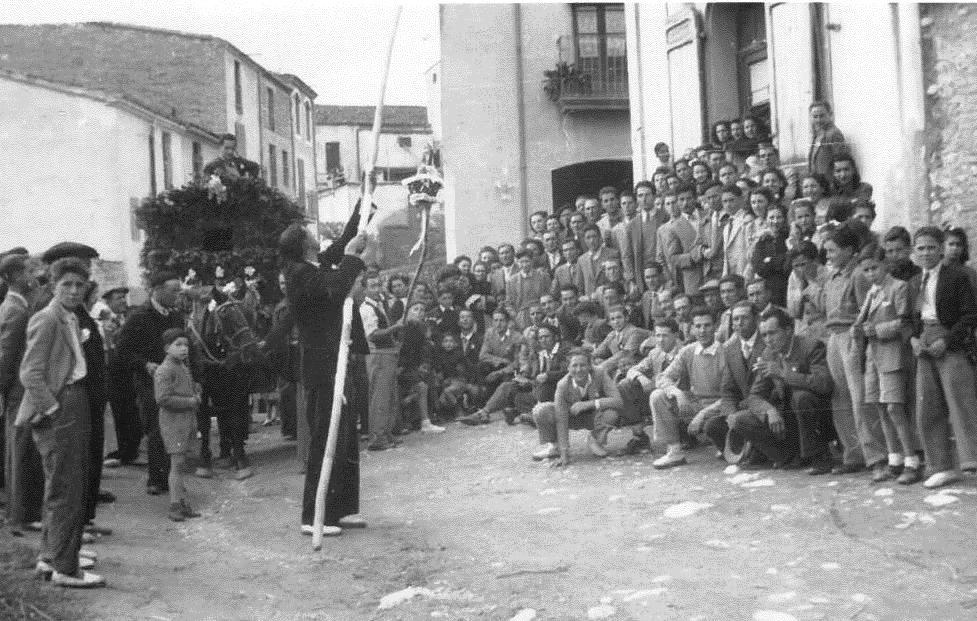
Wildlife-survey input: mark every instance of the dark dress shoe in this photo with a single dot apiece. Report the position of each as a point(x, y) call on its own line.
point(105, 497)
point(637, 444)
point(848, 469)
point(880, 473)
point(910, 476)
point(820, 465)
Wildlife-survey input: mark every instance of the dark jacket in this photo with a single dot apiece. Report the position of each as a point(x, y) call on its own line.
point(140, 340)
point(956, 306)
point(14, 314)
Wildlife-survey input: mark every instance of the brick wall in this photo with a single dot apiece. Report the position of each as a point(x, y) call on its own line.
point(949, 38)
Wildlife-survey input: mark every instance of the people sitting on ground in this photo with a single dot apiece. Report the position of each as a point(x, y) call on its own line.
point(586, 398)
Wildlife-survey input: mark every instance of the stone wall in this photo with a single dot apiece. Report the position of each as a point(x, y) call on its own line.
point(949, 38)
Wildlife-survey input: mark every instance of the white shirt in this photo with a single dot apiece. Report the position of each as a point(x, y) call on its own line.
point(927, 307)
point(80, 369)
point(748, 345)
point(159, 308)
point(554, 258)
point(709, 351)
point(581, 389)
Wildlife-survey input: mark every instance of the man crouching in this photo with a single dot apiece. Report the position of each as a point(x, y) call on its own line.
point(586, 398)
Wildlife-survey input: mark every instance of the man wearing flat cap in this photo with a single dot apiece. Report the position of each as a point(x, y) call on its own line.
point(94, 381)
point(140, 348)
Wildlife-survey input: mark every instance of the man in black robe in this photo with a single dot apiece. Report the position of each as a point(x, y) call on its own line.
point(316, 295)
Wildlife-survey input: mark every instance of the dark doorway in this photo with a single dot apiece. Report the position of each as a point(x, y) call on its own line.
point(589, 177)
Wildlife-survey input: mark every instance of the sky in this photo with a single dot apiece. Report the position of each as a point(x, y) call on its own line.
point(337, 48)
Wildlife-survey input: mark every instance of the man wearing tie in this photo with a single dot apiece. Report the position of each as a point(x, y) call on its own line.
point(684, 243)
point(641, 235)
point(551, 248)
point(788, 412)
point(742, 351)
point(590, 264)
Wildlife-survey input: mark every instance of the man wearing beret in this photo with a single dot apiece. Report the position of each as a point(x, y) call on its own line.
point(141, 351)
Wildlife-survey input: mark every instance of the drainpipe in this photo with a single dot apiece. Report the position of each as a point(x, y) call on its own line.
point(636, 92)
point(912, 108)
point(521, 111)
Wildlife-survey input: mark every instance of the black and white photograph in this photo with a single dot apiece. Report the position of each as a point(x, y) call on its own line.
point(477, 311)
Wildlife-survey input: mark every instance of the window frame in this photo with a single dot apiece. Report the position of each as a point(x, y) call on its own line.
point(271, 108)
point(272, 166)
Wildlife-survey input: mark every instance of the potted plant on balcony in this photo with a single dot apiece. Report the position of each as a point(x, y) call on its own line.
point(565, 78)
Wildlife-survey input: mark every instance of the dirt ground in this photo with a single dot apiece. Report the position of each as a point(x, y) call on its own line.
point(483, 532)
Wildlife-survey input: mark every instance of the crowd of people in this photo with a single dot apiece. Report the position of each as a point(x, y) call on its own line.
point(725, 301)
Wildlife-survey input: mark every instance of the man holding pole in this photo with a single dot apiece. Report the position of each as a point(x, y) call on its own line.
point(316, 293)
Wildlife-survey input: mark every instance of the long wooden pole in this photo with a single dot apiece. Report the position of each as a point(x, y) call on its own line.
point(339, 388)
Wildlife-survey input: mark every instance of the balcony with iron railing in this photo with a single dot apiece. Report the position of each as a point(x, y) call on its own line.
point(591, 74)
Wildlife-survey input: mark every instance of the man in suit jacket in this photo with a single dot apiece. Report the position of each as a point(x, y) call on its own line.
point(141, 351)
point(590, 263)
point(639, 381)
point(23, 473)
point(499, 276)
point(586, 398)
point(684, 244)
point(641, 235)
point(738, 233)
point(945, 317)
point(566, 273)
point(714, 221)
point(524, 289)
point(742, 350)
point(788, 411)
point(827, 142)
point(619, 349)
point(470, 337)
point(55, 407)
point(317, 294)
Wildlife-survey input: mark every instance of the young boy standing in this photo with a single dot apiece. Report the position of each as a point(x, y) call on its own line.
point(178, 401)
point(884, 324)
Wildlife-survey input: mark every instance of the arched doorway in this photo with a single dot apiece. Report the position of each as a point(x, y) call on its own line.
point(570, 181)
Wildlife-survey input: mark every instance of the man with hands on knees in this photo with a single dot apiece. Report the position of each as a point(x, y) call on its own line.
point(586, 398)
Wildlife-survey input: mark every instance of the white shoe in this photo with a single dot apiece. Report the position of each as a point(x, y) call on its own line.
point(81, 580)
point(112, 462)
point(327, 531)
point(429, 427)
point(546, 451)
point(595, 446)
point(352, 521)
point(941, 478)
point(670, 459)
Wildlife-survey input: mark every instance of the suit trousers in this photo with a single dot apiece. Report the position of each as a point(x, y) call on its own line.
point(859, 428)
point(24, 473)
point(636, 411)
point(64, 452)
point(287, 406)
point(599, 423)
point(96, 454)
point(158, 470)
point(343, 487)
point(946, 405)
point(384, 399)
point(229, 390)
point(125, 415)
point(669, 413)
